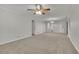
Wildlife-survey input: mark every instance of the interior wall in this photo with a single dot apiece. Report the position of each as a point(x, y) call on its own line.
point(39, 27)
point(48, 27)
point(59, 26)
point(14, 25)
point(74, 26)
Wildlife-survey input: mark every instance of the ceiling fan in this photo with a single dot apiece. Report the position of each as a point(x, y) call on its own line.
point(39, 9)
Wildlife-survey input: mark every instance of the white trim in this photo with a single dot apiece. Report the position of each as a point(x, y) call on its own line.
point(73, 43)
point(15, 39)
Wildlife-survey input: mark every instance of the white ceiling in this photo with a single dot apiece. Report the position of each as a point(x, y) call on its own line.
point(57, 10)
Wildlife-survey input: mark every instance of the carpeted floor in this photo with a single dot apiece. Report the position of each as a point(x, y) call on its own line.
point(46, 43)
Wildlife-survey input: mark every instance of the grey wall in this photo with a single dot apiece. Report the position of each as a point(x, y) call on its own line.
point(57, 26)
point(74, 26)
point(60, 27)
point(40, 27)
point(14, 25)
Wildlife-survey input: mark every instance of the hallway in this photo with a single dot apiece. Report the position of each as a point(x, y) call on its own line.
point(46, 43)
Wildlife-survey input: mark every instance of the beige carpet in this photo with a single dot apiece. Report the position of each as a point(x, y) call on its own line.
point(46, 43)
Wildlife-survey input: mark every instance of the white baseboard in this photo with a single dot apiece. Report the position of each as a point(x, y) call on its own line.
point(15, 39)
point(73, 43)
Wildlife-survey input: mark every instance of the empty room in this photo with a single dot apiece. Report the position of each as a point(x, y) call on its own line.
point(39, 28)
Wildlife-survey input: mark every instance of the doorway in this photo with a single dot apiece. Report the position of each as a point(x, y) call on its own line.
point(59, 26)
point(38, 27)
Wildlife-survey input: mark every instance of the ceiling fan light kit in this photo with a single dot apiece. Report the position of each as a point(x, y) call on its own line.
point(39, 10)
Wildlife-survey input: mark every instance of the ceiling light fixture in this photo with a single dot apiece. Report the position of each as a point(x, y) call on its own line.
point(39, 9)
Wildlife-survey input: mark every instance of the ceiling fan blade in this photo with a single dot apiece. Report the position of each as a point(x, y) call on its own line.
point(48, 9)
point(29, 9)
